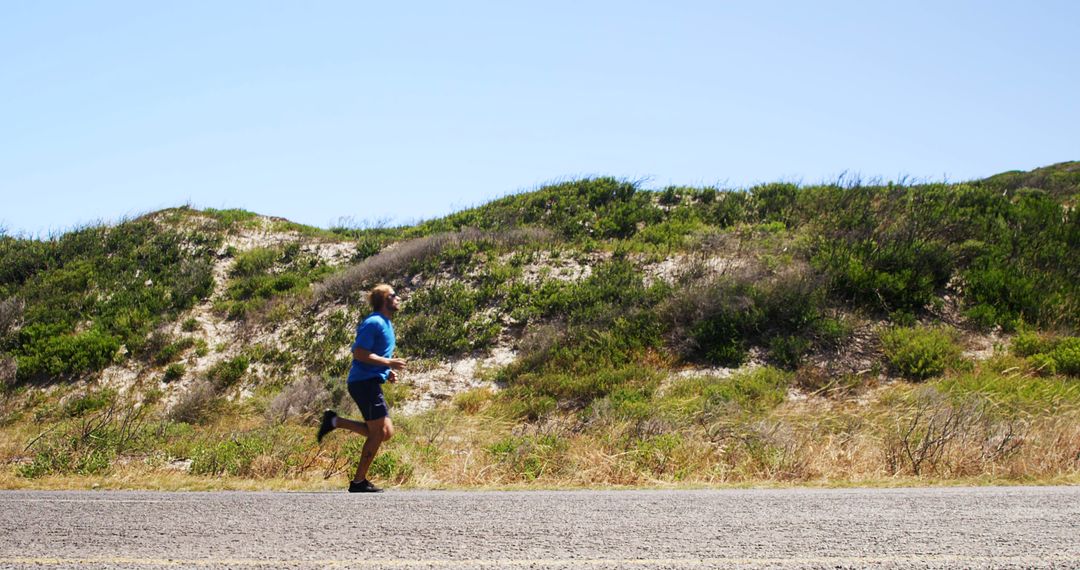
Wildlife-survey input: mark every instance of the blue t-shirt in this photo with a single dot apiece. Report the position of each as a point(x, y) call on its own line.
point(374, 334)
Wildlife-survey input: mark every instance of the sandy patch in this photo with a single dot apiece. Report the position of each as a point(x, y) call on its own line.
point(443, 380)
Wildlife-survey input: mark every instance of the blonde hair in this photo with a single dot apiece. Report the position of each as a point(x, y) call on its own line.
point(379, 295)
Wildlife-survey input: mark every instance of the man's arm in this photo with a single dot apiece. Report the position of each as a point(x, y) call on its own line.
point(368, 357)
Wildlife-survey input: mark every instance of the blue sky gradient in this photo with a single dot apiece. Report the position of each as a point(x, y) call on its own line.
point(323, 112)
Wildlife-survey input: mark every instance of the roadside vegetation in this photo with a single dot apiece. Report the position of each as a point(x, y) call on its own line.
point(842, 333)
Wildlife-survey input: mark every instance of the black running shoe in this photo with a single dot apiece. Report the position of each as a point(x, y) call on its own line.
point(364, 486)
point(327, 424)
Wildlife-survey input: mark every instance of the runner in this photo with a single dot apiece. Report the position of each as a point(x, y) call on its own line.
point(373, 365)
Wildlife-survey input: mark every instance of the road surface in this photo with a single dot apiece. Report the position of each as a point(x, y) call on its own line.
point(1010, 527)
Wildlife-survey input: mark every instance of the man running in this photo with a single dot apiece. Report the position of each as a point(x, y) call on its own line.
point(373, 364)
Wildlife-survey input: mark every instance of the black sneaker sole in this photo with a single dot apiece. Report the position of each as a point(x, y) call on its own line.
point(369, 488)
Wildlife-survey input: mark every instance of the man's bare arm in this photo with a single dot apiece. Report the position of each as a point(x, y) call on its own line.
point(368, 357)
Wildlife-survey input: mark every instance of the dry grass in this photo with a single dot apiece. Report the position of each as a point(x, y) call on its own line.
point(11, 313)
point(397, 258)
point(816, 441)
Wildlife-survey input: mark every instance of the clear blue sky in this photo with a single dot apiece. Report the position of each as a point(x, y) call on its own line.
point(316, 111)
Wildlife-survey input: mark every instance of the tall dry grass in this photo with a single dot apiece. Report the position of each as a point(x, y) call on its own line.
point(901, 434)
point(397, 258)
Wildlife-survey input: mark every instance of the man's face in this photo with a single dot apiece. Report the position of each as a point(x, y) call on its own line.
point(393, 303)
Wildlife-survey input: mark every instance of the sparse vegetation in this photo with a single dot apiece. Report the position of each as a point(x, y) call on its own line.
point(685, 335)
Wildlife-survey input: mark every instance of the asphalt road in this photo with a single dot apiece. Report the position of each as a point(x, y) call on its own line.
point(905, 528)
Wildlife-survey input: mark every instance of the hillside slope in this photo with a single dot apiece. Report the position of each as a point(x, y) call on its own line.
point(586, 333)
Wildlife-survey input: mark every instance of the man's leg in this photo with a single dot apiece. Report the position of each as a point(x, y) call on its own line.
point(379, 430)
point(351, 425)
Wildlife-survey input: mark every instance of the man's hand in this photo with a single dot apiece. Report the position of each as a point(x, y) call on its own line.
point(392, 377)
point(397, 364)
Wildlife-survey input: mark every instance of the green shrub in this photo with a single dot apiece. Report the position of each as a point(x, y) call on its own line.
point(719, 339)
point(96, 288)
point(920, 352)
point(46, 356)
point(174, 372)
point(530, 457)
point(1043, 364)
point(1029, 343)
point(390, 466)
point(885, 276)
point(578, 389)
point(1067, 356)
point(1048, 353)
point(446, 320)
point(708, 398)
point(720, 321)
point(228, 372)
point(254, 262)
point(173, 350)
point(89, 402)
point(655, 454)
point(787, 351)
point(58, 460)
point(230, 457)
point(773, 202)
point(628, 403)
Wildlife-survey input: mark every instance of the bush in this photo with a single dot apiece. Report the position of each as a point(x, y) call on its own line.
point(708, 398)
point(654, 454)
point(303, 399)
point(447, 321)
point(173, 350)
point(1043, 364)
point(227, 372)
point(261, 453)
point(234, 457)
point(719, 321)
point(473, 401)
point(787, 351)
point(59, 460)
point(529, 457)
point(8, 372)
point(920, 352)
point(1029, 343)
point(174, 372)
point(11, 313)
point(390, 466)
point(1049, 354)
point(97, 429)
point(89, 402)
point(196, 404)
point(47, 356)
point(254, 262)
point(93, 289)
point(1067, 356)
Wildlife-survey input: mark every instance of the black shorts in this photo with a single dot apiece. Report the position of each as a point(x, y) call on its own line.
point(369, 398)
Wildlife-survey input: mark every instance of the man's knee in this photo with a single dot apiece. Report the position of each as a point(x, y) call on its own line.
point(381, 430)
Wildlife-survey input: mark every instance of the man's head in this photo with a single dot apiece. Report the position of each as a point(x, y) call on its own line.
point(384, 299)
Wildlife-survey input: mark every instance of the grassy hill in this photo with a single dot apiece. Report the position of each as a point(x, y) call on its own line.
point(587, 333)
